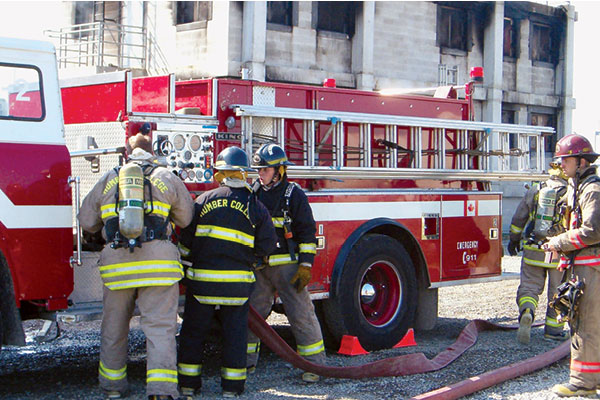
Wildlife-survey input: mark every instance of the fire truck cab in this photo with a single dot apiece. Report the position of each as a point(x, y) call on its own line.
point(399, 185)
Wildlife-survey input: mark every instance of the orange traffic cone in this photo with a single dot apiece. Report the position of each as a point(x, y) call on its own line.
point(408, 340)
point(350, 346)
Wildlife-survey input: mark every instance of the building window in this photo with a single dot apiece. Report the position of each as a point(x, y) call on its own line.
point(279, 12)
point(542, 44)
point(452, 28)
point(193, 11)
point(510, 38)
point(84, 12)
point(539, 119)
point(336, 16)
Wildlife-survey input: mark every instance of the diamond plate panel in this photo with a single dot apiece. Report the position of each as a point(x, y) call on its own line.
point(88, 284)
point(263, 96)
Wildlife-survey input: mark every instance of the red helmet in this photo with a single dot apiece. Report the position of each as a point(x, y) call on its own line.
point(574, 145)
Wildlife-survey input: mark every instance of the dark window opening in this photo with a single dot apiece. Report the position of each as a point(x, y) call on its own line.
point(510, 38)
point(543, 46)
point(279, 12)
point(336, 16)
point(452, 28)
point(193, 11)
point(539, 119)
point(84, 12)
point(508, 117)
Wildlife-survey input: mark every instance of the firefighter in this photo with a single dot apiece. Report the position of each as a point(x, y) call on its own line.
point(580, 253)
point(288, 270)
point(143, 270)
point(536, 218)
point(229, 232)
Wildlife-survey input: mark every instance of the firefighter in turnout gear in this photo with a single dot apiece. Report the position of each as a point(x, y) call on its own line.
point(143, 270)
point(287, 271)
point(230, 231)
point(580, 256)
point(536, 218)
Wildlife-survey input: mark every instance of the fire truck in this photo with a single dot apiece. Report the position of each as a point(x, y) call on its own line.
point(400, 185)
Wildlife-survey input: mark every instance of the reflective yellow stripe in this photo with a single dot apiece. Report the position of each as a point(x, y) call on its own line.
point(161, 375)
point(537, 263)
point(132, 283)
point(108, 210)
point(184, 251)
point(527, 299)
point(141, 267)
point(277, 222)
point(310, 248)
point(233, 374)
point(515, 229)
point(158, 207)
point(281, 259)
point(554, 323)
point(112, 374)
point(224, 301)
point(189, 369)
point(219, 232)
point(253, 347)
point(209, 275)
point(311, 349)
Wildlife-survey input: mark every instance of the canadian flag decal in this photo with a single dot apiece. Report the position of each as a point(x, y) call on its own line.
point(471, 208)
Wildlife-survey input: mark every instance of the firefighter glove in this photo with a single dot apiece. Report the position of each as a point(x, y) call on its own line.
point(261, 263)
point(302, 277)
point(514, 246)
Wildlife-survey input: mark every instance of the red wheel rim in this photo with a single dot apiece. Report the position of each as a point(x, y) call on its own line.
point(380, 293)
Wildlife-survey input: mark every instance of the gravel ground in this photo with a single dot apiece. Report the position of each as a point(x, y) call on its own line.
point(66, 368)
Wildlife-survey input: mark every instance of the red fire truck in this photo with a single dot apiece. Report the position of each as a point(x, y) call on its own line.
point(399, 185)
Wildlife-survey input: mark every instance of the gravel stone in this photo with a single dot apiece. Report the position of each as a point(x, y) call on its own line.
point(66, 367)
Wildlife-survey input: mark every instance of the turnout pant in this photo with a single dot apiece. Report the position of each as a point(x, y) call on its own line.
point(194, 330)
point(298, 308)
point(585, 339)
point(158, 319)
point(533, 280)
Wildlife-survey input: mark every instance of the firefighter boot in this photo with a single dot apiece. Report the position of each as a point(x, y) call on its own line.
point(570, 390)
point(310, 377)
point(113, 395)
point(524, 332)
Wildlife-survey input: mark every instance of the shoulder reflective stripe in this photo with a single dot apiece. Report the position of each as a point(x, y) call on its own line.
point(184, 251)
point(537, 263)
point(210, 275)
point(527, 299)
point(161, 375)
point(108, 210)
point(147, 266)
point(311, 349)
point(224, 301)
point(277, 222)
point(587, 367)
point(281, 259)
point(515, 229)
point(218, 232)
point(112, 374)
point(308, 248)
point(189, 369)
point(233, 374)
point(141, 283)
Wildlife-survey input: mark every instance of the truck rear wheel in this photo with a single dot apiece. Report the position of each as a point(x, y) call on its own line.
point(377, 294)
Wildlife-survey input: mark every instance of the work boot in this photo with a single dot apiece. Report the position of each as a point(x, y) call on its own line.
point(557, 336)
point(251, 369)
point(113, 395)
point(187, 393)
point(229, 394)
point(160, 397)
point(524, 332)
point(570, 390)
point(310, 377)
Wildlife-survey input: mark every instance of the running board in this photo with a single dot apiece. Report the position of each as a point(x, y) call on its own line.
point(504, 276)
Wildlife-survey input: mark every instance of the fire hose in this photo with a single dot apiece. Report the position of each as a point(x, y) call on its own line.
point(415, 363)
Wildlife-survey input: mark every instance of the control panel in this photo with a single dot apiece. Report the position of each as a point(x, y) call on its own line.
point(189, 153)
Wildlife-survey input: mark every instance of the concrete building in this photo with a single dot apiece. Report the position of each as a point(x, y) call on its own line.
point(526, 49)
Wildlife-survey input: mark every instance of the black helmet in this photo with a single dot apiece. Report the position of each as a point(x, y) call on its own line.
point(146, 128)
point(270, 155)
point(233, 159)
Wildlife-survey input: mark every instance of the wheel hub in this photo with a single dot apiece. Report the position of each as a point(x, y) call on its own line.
point(380, 293)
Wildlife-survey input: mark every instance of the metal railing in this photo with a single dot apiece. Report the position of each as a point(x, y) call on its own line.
point(107, 44)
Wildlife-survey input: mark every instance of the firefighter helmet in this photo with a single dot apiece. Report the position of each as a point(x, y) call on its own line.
point(233, 159)
point(575, 146)
point(270, 155)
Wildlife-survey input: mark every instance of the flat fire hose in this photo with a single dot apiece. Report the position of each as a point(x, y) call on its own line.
point(408, 364)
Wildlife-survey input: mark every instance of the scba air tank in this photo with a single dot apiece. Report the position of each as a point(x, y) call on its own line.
point(544, 214)
point(131, 201)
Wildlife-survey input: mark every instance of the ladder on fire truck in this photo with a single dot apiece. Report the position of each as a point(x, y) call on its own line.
point(395, 147)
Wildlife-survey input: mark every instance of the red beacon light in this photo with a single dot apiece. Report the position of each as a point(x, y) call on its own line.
point(329, 83)
point(476, 74)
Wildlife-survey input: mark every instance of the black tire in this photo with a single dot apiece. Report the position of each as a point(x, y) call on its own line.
point(377, 294)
